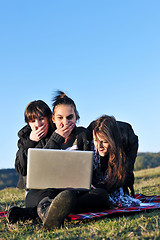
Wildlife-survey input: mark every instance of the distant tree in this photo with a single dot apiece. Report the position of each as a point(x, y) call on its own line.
point(8, 178)
point(147, 160)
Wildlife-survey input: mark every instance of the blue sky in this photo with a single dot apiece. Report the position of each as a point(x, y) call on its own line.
point(103, 54)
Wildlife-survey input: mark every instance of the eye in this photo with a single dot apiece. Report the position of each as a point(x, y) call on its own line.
point(33, 120)
point(70, 117)
point(41, 118)
point(60, 118)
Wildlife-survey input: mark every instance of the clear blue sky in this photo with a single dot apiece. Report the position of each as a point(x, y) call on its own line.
point(104, 54)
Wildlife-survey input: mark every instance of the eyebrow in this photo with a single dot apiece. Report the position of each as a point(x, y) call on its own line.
point(70, 115)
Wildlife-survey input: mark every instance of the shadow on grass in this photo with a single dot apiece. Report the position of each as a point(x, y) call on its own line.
point(139, 179)
point(8, 204)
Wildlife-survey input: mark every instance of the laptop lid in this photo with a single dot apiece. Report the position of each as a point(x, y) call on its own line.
point(50, 168)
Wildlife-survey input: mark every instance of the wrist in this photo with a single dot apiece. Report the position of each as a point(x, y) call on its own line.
point(57, 137)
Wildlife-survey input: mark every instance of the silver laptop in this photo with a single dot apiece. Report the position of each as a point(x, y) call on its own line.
point(48, 168)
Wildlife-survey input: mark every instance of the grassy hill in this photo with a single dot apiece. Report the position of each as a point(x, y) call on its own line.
point(143, 225)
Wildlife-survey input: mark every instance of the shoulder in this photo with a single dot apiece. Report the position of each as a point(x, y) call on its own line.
point(126, 128)
point(91, 126)
point(24, 132)
point(123, 124)
point(82, 130)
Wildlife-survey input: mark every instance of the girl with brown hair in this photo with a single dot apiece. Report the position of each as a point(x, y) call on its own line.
point(110, 162)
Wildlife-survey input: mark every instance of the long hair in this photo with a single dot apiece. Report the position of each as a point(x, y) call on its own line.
point(62, 98)
point(107, 126)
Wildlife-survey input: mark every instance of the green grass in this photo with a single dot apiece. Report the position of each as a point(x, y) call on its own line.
point(144, 225)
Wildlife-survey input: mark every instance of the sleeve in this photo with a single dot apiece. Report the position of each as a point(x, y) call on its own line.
point(21, 155)
point(84, 140)
point(130, 143)
point(132, 148)
point(55, 141)
point(108, 186)
point(90, 129)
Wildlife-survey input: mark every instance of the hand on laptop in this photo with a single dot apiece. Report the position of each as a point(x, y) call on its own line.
point(38, 133)
point(65, 131)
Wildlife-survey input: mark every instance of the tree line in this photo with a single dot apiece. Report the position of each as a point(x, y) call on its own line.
point(147, 160)
point(8, 178)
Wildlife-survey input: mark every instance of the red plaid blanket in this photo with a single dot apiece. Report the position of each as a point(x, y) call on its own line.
point(148, 202)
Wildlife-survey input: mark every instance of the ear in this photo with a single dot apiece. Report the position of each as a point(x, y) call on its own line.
point(77, 115)
point(53, 118)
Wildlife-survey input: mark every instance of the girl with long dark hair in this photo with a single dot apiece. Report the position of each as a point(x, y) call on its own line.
point(110, 162)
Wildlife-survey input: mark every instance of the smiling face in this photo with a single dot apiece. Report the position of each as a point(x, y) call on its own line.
point(64, 115)
point(100, 143)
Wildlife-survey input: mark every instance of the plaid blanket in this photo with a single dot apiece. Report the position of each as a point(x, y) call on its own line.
point(148, 203)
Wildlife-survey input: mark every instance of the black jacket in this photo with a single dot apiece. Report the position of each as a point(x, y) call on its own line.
point(24, 143)
point(79, 137)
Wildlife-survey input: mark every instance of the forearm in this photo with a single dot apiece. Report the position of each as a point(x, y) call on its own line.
point(83, 140)
point(55, 141)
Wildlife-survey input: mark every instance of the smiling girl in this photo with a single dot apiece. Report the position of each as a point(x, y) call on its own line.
point(110, 162)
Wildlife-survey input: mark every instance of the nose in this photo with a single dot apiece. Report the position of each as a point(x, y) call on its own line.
point(38, 123)
point(100, 144)
point(65, 121)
